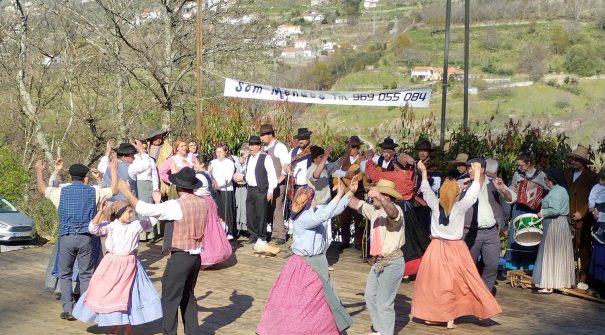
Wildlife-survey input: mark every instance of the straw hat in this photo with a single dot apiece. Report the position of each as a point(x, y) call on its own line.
point(460, 159)
point(580, 153)
point(387, 187)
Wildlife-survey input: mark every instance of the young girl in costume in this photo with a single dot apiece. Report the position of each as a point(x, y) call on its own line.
point(120, 292)
point(448, 285)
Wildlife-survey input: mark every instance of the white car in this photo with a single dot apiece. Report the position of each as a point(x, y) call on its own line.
point(15, 225)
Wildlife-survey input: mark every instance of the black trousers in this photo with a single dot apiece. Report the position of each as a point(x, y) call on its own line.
point(178, 284)
point(257, 208)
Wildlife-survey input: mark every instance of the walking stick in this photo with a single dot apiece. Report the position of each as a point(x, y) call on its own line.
point(364, 242)
point(286, 201)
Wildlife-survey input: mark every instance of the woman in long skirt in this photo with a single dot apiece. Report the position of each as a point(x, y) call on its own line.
point(222, 169)
point(448, 285)
point(303, 300)
point(555, 267)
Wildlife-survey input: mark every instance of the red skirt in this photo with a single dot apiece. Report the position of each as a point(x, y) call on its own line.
point(297, 304)
point(448, 285)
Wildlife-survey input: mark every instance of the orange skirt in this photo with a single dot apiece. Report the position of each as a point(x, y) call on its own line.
point(448, 285)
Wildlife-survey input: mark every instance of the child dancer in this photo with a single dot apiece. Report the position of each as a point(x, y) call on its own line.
point(120, 292)
point(448, 284)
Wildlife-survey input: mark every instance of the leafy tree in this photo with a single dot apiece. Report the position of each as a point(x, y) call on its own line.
point(559, 40)
point(583, 60)
point(402, 41)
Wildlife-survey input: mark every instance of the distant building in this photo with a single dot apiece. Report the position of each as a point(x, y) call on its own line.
point(287, 30)
point(317, 2)
point(289, 53)
point(329, 46)
point(313, 16)
point(367, 4)
point(300, 44)
point(429, 73)
point(423, 73)
point(341, 21)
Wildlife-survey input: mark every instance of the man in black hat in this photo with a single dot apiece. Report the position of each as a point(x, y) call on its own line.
point(76, 205)
point(300, 157)
point(351, 165)
point(482, 224)
point(424, 149)
point(125, 153)
point(261, 180)
point(387, 152)
point(183, 240)
point(280, 157)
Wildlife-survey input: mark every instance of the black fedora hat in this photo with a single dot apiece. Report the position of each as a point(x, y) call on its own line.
point(253, 139)
point(185, 178)
point(155, 132)
point(303, 133)
point(388, 143)
point(424, 145)
point(266, 129)
point(126, 149)
point(78, 170)
point(354, 141)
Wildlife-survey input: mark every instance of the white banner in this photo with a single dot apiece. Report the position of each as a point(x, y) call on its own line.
point(417, 97)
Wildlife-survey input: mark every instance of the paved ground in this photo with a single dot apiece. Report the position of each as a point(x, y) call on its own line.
point(231, 299)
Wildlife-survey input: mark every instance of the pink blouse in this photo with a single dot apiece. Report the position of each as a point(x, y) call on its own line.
point(180, 162)
point(122, 238)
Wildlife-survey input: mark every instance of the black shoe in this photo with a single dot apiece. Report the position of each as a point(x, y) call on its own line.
point(279, 241)
point(67, 316)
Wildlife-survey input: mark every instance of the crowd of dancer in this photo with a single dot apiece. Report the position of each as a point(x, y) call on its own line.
point(408, 216)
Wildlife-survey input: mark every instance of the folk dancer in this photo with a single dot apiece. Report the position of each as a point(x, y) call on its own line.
point(448, 285)
point(76, 205)
point(483, 221)
point(303, 299)
point(120, 292)
point(125, 154)
point(386, 239)
point(183, 240)
point(144, 171)
point(222, 169)
point(424, 149)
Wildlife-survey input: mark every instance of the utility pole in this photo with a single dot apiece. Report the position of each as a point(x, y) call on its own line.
point(198, 67)
point(446, 51)
point(467, 28)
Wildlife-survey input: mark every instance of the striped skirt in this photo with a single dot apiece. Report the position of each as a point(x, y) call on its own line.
point(555, 262)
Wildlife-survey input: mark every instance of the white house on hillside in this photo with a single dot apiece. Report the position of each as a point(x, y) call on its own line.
point(423, 73)
point(300, 44)
point(367, 4)
point(313, 16)
point(287, 30)
point(147, 15)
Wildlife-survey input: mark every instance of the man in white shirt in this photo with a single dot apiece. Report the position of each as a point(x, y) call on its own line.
point(482, 225)
point(301, 157)
point(261, 180)
point(281, 158)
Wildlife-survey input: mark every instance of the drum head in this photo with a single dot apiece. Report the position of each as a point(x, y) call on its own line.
point(528, 237)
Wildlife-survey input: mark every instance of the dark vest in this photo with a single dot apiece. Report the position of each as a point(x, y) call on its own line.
point(390, 166)
point(260, 173)
point(470, 219)
point(308, 157)
point(276, 161)
point(77, 207)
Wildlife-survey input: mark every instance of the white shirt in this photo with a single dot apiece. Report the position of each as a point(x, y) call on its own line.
point(576, 175)
point(122, 238)
point(340, 173)
point(281, 153)
point(299, 170)
point(143, 168)
point(455, 229)
point(103, 164)
point(251, 175)
point(222, 171)
point(485, 213)
point(169, 211)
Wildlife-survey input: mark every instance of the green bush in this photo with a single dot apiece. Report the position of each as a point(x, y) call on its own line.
point(13, 176)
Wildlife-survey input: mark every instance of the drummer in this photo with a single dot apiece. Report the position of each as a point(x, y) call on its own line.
point(482, 225)
point(518, 256)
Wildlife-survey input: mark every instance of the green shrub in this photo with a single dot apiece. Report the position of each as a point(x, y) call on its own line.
point(13, 176)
